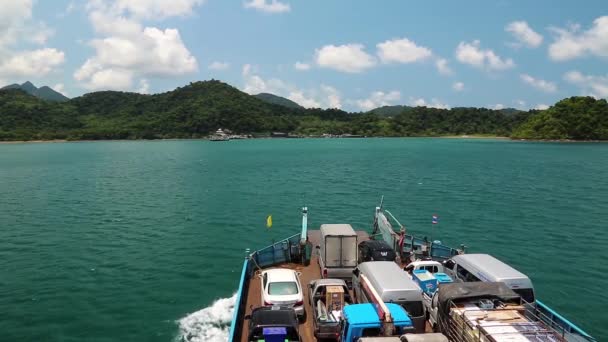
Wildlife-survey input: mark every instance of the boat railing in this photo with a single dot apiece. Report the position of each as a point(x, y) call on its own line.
point(419, 247)
point(236, 326)
point(538, 327)
point(551, 318)
point(284, 251)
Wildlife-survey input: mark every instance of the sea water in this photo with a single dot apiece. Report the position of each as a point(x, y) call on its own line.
point(144, 240)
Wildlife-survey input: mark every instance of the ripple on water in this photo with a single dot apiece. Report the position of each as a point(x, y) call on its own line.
point(115, 241)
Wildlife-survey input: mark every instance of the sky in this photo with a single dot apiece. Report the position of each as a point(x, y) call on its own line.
point(355, 55)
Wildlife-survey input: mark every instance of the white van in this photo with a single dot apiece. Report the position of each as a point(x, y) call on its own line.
point(394, 286)
point(486, 268)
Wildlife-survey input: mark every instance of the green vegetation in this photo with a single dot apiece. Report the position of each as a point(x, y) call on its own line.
point(274, 99)
point(575, 118)
point(200, 108)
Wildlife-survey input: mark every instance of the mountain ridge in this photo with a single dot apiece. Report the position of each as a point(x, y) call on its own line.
point(200, 108)
point(44, 92)
point(279, 100)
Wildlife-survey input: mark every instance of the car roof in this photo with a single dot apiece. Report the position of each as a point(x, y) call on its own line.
point(280, 274)
point(274, 316)
point(337, 229)
point(489, 264)
point(388, 276)
point(376, 244)
point(425, 263)
point(328, 282)
point(361, 314)
point(399, 314)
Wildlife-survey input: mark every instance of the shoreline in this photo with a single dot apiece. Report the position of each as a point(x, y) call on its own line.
point(8, 142)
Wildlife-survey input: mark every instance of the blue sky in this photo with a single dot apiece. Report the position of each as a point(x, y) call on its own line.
point(355, 55)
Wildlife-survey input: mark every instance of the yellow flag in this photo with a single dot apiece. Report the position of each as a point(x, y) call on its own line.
point(269, 221)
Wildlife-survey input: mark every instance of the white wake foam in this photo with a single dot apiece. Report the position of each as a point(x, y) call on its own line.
point(211, 324)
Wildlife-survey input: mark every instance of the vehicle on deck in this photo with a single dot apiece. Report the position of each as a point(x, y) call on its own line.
point(273, 323)
point(281, 286)
point(375, 250)
point(338, 251)
point(484, 267)
point(429, 284)
point(427, 265)
point(484, 311)
point(297, 253)
point(327, 299)
point(392, 285)
point(364, 320)
point(430, 337)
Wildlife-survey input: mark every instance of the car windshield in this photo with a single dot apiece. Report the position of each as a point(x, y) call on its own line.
point(283, 288)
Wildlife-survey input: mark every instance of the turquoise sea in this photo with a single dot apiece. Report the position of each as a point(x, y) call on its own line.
point(137, 240)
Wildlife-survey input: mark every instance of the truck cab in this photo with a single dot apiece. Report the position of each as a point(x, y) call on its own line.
point(362, 320)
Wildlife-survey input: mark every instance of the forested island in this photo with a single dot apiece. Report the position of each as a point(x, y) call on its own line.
point(196, 110)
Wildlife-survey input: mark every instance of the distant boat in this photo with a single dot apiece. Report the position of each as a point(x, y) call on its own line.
point(219, 135)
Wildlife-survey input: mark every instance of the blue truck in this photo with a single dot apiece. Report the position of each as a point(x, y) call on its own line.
point(366, 320)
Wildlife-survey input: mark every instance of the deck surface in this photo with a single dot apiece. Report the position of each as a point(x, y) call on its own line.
point(308, 273)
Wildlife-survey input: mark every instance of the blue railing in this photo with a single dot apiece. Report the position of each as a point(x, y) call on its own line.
point(239, 305)
point(556, 321)
point(279, 252)
point(287, 250)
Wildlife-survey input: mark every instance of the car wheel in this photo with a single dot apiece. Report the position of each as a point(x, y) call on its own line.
point(303, 317)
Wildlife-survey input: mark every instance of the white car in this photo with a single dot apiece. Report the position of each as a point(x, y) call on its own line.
point(428, 265)
point(281, 286)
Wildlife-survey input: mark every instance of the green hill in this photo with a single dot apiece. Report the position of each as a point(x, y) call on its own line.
point(200, 108)
point(575, 118)
point(278, 100)
point(44, 92)
point(390, 110)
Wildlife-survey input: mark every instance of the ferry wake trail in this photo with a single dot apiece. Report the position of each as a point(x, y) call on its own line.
point(211, 324)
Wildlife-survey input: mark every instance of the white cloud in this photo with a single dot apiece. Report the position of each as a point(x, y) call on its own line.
point(323, 97)
point(60, 88)
point(458, 86)
point(524, 34)
point(157, 9)
point(378, 99)
point(546, 86)
point(144, 86)
point(14, 11)
point(473, 54)
point(127, 51)
point(31, 63)
point(596, 86)
point(332, 95)
point(402, 51)
point(346, 58)
point(434, 103)
point(571, 42)
point(541, 106)
point(301, 66)
point(498, 106)
point(268, 6)
point(218, 66)
point(18, 26)
point(442, 66)
point(520, 103)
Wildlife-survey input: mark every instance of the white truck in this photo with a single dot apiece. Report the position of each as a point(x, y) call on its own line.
point(484, 312)
point(338, 251)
